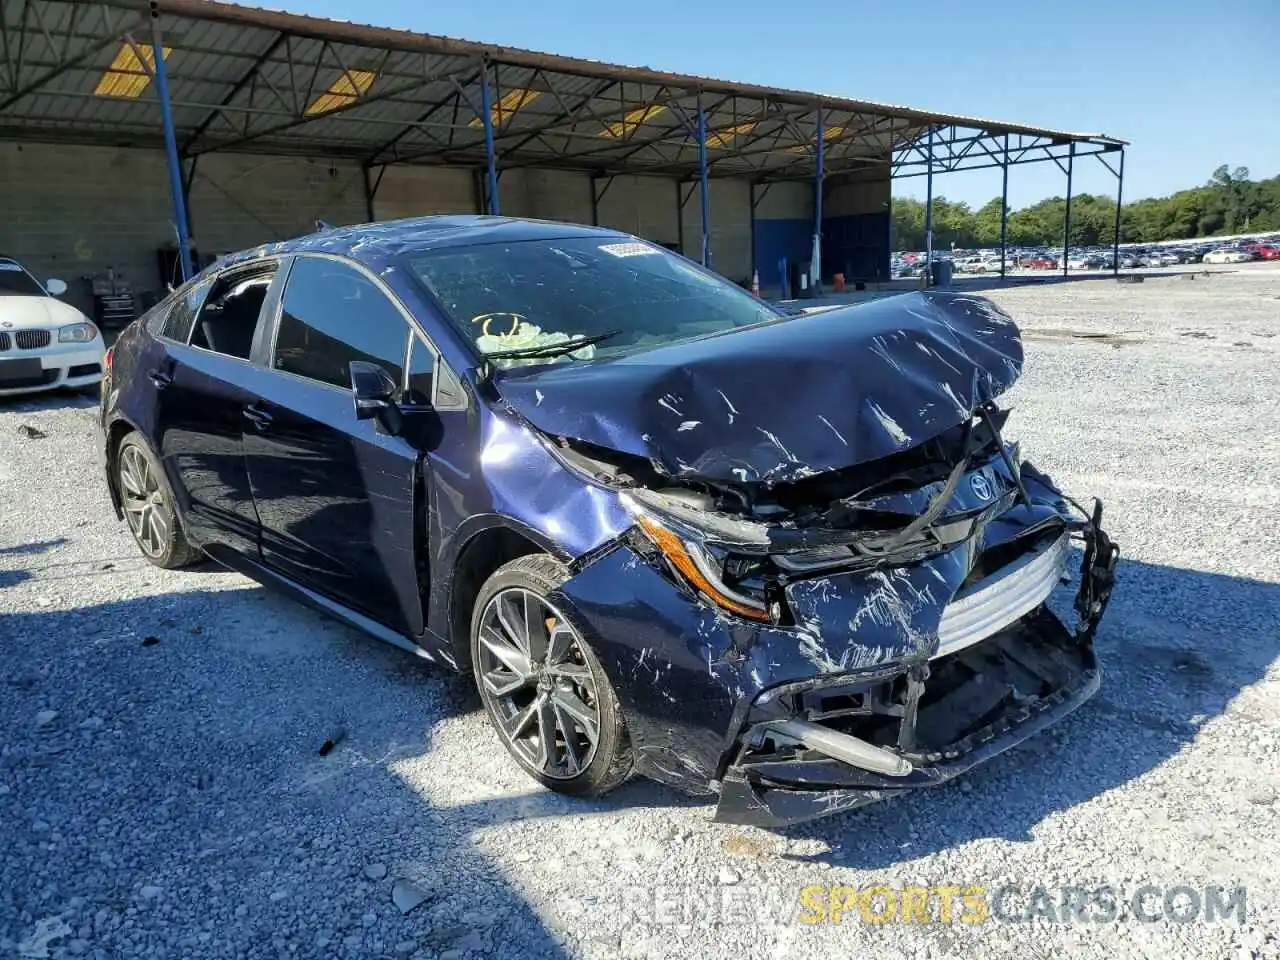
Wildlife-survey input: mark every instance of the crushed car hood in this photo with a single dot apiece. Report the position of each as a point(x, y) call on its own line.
point(784, 400)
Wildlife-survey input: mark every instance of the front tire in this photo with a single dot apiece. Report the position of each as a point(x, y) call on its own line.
point(542, 685)
point(148, 507)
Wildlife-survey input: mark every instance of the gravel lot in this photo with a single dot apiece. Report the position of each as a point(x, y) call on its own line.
point(162, 792)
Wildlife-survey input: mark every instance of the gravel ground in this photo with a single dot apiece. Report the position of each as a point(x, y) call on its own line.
point(162, 791)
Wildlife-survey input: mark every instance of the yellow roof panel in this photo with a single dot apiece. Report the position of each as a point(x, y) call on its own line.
point(128, 76)
point(511, 101)
point(347, 89)
point(625, 127)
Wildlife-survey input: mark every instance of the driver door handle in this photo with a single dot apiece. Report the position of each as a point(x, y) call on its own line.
point(257, 416)
point(160, 378)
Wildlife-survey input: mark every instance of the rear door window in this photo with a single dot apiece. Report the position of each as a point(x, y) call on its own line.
point(229, 316)
point(332, 314)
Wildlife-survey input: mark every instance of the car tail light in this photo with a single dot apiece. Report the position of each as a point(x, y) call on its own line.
point(110, 353)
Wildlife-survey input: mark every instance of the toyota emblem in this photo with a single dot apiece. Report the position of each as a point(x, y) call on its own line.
point(981, 486)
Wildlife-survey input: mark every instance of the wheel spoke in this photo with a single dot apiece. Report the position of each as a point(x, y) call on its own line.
point(575, 672)
point(517, 725)
point(134, 505)
point(575, 753)
point(130, 482)
point(546, 733)
point(559, 643)
point(583, 716)
point(149, 522)
point(511, 657)
point(515, 630)
point(535, 629)
point(159, 524)
point(538, 629)
point(502, 683)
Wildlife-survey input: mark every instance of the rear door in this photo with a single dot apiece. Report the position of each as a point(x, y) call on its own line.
point(204, 380)
point(336, 496)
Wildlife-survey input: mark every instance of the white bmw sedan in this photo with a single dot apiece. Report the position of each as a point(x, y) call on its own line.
point(44, 343)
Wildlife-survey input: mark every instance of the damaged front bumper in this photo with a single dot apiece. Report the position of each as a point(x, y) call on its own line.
point(1001, 692)
point(886, 681)
point(1006, 667)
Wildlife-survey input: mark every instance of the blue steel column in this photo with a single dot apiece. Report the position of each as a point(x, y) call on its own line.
point(1004, 207)
point(486, 105)
point(171, 148)
point(702, 176)
point(928, 210)
point(817, 205)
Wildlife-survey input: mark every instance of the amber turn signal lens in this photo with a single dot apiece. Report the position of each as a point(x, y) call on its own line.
point(674, 550)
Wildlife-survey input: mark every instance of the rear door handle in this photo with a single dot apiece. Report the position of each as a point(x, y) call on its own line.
point(257, 416)
point(160, 378)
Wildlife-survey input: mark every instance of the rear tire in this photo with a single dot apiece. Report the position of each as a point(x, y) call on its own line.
point(543, 687)
point(148, 507)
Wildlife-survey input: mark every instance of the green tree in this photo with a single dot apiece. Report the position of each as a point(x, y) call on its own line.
point(1234, 185)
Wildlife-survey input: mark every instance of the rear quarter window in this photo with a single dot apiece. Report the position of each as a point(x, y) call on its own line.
point(174, 317)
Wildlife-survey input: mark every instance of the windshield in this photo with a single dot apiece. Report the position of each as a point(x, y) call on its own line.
point(14, 281)
point(629, 294)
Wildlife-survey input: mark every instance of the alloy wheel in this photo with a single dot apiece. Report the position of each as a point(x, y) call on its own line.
point(536, 680)
point(144, 506)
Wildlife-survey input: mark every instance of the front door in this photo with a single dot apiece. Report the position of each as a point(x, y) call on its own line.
point(339, 499)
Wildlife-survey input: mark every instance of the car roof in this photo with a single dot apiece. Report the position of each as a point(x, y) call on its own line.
point(375, 243)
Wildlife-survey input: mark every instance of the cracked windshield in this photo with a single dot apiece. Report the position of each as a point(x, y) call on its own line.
point(549, 301)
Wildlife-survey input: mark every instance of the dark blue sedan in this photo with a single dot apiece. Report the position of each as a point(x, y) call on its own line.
point(787, 560)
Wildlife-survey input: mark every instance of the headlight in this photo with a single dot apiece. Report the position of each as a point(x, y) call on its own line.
point(695, 563)
point(77, 333)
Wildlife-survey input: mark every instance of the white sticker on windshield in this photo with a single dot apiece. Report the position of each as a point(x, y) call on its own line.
point(628, 249)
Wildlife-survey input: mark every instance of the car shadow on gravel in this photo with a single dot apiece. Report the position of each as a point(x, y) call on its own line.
point(1176, 647)
point(189, 727)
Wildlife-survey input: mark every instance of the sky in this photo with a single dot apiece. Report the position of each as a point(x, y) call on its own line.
point(1192, 84)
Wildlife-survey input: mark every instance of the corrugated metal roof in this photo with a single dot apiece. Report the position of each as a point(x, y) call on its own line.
point(244, 78)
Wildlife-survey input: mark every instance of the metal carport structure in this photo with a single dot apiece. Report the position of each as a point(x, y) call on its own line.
point(244, 79)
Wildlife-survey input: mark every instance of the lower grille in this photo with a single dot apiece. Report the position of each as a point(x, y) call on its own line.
point(32, 339)
point(1007, 594)
point(45, 377)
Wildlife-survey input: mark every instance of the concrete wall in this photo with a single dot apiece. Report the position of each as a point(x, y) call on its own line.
point(730, 202)
point(72, 212)
point(75, 212)
point(849, 197)
point(424, 191)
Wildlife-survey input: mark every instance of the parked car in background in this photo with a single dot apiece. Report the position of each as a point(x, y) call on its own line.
point(1226, 255)
point(1268, 251)
point(534, 452)
point(44, 343)
point(1041, 261)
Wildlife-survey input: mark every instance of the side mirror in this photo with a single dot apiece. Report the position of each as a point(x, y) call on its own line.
point(373, 392)
point(56, 288)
